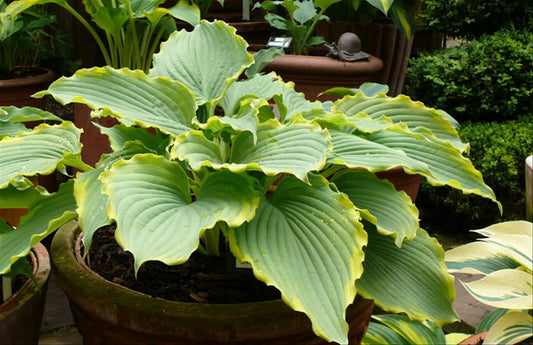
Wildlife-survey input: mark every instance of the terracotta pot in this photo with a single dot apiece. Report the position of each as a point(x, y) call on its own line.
point(410, 184)
point(22, 313)
point(18, 92)
point(107, 313)
point(476, 339)
point(315, 74)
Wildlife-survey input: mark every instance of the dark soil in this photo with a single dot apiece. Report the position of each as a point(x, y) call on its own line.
point(22, 72)
point(204, 279)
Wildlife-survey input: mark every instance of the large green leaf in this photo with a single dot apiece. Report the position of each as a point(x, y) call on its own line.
point(390, 210)
point(295, 148)
point(88, 190)
point(355, 151)
point(44, 216)
point(411, 279)
point(207, 60)
point(447, 165)
point(150, 199)
point(130, 96)
point(40, 151)
point(402, 109)
point(307, 242)
point(188, 12)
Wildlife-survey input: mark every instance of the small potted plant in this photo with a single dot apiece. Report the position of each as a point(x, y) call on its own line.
point(23, 42)
point(313, 74)
point(202, 163)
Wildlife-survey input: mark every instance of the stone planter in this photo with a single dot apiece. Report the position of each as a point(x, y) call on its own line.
point(107, 313)
point(22, 313)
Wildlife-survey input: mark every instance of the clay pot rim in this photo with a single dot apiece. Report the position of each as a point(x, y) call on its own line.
point(324, 65)
point(46, 76)
point(41, 270)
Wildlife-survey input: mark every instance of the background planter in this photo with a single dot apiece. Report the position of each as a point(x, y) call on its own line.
point(315, 74)
point(18, 91)
point(107, 313)
point(21, 314)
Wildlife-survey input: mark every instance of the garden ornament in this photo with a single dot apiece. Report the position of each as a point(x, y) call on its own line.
point(348, 48)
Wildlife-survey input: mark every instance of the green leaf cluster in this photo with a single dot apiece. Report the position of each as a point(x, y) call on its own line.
point(471, 19)
point(23, 38)
point(127, 32)
point(490, 79)
point(288, 186)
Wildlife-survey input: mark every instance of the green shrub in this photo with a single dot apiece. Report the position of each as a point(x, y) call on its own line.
point(471, 19)
point(499, 151)
point(490, 79)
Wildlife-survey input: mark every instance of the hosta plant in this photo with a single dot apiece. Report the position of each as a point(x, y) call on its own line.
point(201, 159)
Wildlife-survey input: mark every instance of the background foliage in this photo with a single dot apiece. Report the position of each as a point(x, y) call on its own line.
point(471, 19)
point(484, 80)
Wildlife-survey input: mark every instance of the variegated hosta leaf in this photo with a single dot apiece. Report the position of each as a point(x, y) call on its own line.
point(354, 151)
point(119, 135)
point(40, 151)
point(130, 96)
point(515, 227)
point(479, 258)
point(507, 288)
point(379, 334)
point(150, 199)
point(303, 234)
point(512, 328)
point(447, 165)
point(188, 12)
point(395, 277)
point(414, 332)
point(508, 246)
point(402, 109)
point(390, 210)
point(295, 148)
point(44, 216)
point(207, 60)
point(260, 86)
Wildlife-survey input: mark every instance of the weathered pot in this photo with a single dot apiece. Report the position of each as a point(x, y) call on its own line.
point(107, 313)
point(22, 313)
point(18, 91)
point(315, 74)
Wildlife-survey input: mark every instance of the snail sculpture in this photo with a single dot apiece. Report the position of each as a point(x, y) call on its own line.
point(348, 48)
